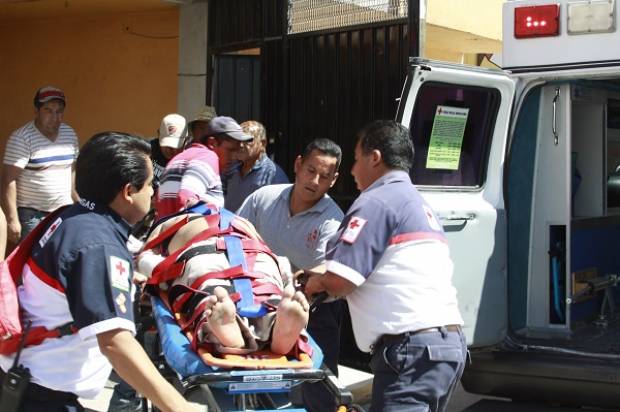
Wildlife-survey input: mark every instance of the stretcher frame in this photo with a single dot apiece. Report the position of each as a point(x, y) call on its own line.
point(234, 389)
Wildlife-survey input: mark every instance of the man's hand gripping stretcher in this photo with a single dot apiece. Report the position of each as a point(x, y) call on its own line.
point(189, 259)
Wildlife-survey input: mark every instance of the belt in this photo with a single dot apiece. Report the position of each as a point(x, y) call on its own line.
point(36, 210)
point(394, 338)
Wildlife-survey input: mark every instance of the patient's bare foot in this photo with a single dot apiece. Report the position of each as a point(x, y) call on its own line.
point(291, 318)
point(221, 315)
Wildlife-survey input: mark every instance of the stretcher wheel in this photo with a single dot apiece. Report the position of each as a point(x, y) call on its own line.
point(201, 398)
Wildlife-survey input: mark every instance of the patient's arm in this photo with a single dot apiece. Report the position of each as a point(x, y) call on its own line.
point(146, 262)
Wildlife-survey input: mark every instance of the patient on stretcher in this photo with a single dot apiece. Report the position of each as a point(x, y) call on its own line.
point(208, 290)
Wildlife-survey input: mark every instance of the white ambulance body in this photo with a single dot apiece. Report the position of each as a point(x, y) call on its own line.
point(521, 165)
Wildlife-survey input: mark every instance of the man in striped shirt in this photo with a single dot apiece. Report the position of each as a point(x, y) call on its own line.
point(194, 174)
point(37, 175)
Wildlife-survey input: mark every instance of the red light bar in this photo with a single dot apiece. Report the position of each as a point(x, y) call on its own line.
point(537, 21)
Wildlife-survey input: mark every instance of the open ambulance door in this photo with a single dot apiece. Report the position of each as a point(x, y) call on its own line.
point(458, 118)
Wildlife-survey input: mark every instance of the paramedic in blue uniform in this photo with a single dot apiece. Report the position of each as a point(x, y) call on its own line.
point(391, 260)
point(80, 273)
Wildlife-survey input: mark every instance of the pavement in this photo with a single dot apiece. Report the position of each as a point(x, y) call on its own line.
point(358, 382)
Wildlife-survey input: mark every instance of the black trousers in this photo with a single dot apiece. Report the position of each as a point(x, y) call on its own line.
point(41, 399)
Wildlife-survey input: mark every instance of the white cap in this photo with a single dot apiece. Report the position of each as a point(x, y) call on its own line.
point(172, 131)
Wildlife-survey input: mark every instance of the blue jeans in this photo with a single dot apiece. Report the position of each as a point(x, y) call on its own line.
point(417, 372)
point(124, 399)
point(29, 218)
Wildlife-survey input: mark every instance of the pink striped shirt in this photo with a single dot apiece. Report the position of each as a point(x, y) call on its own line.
point(191, 176)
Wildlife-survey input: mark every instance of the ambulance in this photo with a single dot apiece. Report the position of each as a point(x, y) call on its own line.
point(522, 166)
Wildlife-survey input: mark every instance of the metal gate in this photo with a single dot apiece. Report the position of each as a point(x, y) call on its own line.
point(313, 84)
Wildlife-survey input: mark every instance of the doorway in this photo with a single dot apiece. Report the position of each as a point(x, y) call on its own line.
point(236, 91)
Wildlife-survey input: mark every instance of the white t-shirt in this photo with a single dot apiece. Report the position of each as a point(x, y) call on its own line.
point(45, 182)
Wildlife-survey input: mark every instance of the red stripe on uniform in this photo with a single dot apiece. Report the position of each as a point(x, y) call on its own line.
point(44, 277)
point(406, 237)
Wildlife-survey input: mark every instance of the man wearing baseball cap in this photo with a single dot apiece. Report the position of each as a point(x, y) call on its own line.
point(199, 125)
point(37, 172)
point(172, 134)
point(194, 174)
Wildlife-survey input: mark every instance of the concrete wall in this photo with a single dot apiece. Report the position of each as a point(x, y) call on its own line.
point(118, 71)
point(192, 83)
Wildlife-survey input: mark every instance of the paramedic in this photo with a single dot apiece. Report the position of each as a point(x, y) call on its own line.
point(296, 220)
point(79, 274)
point(391, 261)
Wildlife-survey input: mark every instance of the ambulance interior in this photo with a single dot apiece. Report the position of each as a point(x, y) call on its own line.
point(563, 182)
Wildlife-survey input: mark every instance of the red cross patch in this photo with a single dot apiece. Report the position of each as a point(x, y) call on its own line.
point(311, 238)
point(430, 217)
point(119, 273)
point(353, 229)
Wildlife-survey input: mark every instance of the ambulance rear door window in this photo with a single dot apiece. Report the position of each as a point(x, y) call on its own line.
point(451, 128)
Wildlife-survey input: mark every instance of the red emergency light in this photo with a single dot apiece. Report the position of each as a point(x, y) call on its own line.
point(537, 21)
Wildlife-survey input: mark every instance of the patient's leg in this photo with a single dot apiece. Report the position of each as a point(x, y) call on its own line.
point(221, 315)
point(291, 318)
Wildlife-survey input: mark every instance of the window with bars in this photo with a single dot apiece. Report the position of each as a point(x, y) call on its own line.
point(314, 15)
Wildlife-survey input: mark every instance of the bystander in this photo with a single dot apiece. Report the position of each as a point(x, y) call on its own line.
point(37, 173)
point(254, 170)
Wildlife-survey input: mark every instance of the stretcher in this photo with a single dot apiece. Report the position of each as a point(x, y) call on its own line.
point(263, 383)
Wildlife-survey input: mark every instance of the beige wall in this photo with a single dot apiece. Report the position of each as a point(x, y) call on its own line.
point(118, 71)
point(480, 17)
point(458, 30)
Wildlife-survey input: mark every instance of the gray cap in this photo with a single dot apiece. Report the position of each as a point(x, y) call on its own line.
point(227, 126)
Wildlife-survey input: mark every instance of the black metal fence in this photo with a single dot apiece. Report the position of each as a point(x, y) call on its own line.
point(338, 82)
point(317, 84)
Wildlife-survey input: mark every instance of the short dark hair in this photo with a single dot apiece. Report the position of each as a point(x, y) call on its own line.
point(391, 139)
point(107, 162)
point(325, 146)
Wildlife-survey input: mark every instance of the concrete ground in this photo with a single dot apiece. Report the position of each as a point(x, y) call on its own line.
point(358, 382)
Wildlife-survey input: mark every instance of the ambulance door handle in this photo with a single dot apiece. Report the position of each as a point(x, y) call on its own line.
point(455, 221)
point(554, 126)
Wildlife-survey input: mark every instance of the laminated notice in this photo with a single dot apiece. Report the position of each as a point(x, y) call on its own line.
point(444, 149)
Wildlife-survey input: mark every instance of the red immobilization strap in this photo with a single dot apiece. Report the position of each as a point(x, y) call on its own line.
point(161, 272)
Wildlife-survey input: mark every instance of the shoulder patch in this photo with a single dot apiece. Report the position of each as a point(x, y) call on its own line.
point(353, 229)
point(49, 232)
point(120, 301)
point(430, 216)
point(119, 273)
